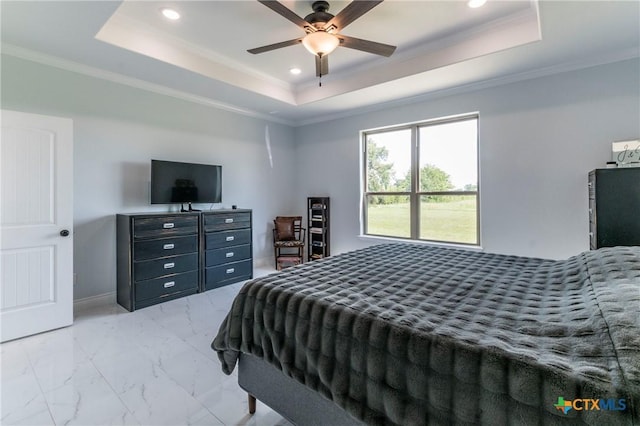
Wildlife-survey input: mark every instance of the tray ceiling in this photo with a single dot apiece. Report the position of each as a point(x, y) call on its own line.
point(441, 45)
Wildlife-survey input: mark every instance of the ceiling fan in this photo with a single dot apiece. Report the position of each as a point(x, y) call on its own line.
point(323, 31)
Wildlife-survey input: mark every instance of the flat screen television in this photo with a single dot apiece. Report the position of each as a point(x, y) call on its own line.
point(174, 182)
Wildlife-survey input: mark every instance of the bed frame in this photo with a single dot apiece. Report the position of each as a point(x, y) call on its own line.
point(292, 400)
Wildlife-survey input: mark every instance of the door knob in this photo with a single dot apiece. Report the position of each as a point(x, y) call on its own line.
point(64, 233)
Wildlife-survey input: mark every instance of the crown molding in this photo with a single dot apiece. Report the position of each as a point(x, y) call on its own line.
point(609, 58)
point(38, 57)
point(75, 67)
point(127, 33)
point(134, 26)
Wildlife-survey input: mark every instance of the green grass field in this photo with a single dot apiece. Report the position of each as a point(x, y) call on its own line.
point(452, 220)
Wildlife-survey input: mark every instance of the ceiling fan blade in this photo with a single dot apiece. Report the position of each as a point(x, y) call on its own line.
point(287, 13)
point(322, 65)
point(350, 13)
point(366, 45)
point(275, 46)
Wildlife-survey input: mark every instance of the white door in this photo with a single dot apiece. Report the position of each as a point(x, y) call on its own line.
point(36, 195)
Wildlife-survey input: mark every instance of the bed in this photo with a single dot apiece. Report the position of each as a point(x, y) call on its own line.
point(407, 334)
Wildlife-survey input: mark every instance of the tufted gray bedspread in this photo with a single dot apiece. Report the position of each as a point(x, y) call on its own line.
point(405, 334)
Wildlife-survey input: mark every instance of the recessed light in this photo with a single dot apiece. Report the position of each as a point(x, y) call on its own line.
point(476, 3)
point(170, 14)
point(295, 71)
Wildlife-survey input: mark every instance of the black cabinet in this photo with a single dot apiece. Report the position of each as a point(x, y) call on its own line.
point(318, 227)
point(158, 258)
point(164, 256)
point(614, 207)
point(228, 254)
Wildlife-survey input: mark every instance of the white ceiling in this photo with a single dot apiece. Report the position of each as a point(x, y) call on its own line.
point(442, 46)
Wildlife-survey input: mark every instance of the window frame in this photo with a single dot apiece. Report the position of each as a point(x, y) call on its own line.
point(415, 194)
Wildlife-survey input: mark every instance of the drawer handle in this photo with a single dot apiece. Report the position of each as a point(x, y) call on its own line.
point(168, 225)
point(169, 246)
point(169, 265)
point(231, 238)
point(230, 254)
point(169, 284)
point(231, 270)
point(230, 220)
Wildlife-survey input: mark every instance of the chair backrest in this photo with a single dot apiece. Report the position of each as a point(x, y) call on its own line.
point(287, 228)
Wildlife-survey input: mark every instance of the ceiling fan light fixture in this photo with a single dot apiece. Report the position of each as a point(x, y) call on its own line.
point(320, 43)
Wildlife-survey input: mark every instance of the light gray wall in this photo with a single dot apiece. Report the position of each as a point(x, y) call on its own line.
point(538, 140)
point(118, 129)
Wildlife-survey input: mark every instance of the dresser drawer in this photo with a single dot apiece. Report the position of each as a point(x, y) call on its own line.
point(226, 255)
point(148, 269)
point(230, 272)
point(162, 287)
point(222, 239)
point(162, 247)
point(223, 221)
point(164, 226)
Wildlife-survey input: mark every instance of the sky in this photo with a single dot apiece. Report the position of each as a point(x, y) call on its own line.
point(451, 147)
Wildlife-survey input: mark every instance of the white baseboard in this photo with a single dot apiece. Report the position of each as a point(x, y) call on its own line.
point(94, 301)
point(262, 261)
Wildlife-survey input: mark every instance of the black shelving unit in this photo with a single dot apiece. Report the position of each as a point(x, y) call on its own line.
point(318, 228)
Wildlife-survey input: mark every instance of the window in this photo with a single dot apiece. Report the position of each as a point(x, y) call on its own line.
point(421, 181)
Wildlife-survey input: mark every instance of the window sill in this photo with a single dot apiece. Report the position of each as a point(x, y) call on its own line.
point(410, 241)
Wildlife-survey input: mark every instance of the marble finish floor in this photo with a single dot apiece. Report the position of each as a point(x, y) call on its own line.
point(153, 366)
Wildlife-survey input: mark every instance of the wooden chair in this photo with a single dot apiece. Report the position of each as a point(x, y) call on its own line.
point(288, 241)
